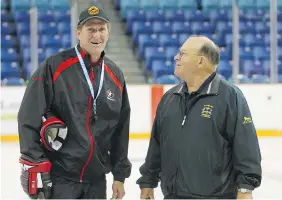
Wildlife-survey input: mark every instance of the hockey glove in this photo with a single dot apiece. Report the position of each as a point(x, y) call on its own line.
point(35, 178)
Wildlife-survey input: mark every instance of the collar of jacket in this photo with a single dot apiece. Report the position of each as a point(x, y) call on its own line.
point(209, 87)
point(87, 59)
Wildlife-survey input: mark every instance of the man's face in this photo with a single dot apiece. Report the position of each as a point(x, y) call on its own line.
point(93, 35)
point(187, 60)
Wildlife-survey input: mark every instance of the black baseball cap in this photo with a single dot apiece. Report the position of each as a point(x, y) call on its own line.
point(92, 12)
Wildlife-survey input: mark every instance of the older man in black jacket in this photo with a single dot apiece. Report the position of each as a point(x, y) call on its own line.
point(203, 142)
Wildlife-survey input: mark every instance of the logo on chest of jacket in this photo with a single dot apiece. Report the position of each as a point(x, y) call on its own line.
point(110, 95)
point(207, 111)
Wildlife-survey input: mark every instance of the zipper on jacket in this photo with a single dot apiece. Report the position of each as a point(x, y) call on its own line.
point(88, 129)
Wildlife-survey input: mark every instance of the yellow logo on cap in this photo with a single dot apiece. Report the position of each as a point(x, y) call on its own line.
point(93, 10)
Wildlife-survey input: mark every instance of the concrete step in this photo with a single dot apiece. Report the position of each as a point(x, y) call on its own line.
point(134, 79)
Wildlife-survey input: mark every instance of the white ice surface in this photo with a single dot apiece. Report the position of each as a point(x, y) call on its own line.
point(271, 187)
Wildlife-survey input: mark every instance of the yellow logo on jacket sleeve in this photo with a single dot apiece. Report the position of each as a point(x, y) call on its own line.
point(247, 120)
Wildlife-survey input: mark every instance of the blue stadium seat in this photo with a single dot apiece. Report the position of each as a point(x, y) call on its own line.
point(201, 27)
point(192, 15)
point(248, 67)
point(280, 78)
point(5, 16)
point(144, 41)
point(153, 53)
point(45, 16)
point(26, 54)
point(181, 27)
point(50, 41)
point(264, 4)
point(249, 39)
point(217, 15)
point(7, 28)
point(279, 4)
point(9, 69)
point(21, 16)
point(153, 15)
point(167, 79)
point(134, 15)
point(228, 39)
point(259, 78)
point(210, 4)
point(260, 41)
point(183, 37)
point(9, 55)
point(8, 41)
point(141, 27)
point(60, 5)
point(223, 27)
point(265, 64)
point(279, 52)
point(160, 70)
point(52, 51)
point(225, 69)
point(246, 53)
point(246, 3)
point(174, 15)
point(261, 53)
point(17, 5)
point(23, 28)
point(66, 41)
point(262, 27)
point(170, 52)
point(167, 3)
point(168, 40)
point(225, 3)
point(49, 28)
point(24, 41)
point(60, 16)
point(126, 5)
point(162, 27)
point(64, 28)
point(246, 27)
point(3, 5)
point(41, 4)
point(149, 4)
point(243, 79)
point(187, 4)
point(224, 54)
point(280, 68)
point(12, 81)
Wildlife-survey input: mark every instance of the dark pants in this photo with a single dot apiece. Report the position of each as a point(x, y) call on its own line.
point(66, 189)
point(173, 196)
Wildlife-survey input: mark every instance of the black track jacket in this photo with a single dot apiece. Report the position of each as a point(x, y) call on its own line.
point(92, 147)
point(203, 144)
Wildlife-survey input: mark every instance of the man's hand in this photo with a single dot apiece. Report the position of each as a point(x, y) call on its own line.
point(118, 190)
point(241, 195)
point(147, 193)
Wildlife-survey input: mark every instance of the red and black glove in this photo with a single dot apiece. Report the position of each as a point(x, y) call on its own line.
point(53, 132)
point(35, 178)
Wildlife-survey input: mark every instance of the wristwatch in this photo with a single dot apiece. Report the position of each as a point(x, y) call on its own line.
point(244, 190)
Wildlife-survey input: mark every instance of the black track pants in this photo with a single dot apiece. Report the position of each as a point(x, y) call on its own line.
point(66, 189)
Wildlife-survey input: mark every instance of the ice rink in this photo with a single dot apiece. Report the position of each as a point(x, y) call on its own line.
point(271, 187)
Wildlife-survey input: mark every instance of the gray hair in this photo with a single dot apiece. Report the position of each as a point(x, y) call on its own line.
point(211, 51)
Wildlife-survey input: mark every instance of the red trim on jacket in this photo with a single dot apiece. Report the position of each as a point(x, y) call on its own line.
point(65, 65)
point(113, 77)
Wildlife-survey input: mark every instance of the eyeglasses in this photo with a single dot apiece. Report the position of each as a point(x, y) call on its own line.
point(181, 53)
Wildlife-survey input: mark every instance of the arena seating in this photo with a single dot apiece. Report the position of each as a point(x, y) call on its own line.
point(158, 28)
point(53, 29)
